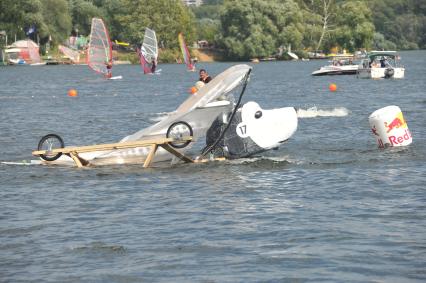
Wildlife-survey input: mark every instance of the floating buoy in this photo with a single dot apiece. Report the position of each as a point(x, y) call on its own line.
point(389, 127)
point(199, 85)
point(72, 92)
point(193, 90)
point(332, 87)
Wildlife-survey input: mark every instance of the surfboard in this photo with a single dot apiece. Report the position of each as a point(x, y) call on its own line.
point(116, 78)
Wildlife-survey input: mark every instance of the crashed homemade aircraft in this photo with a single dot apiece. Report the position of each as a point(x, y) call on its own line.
point(214, 113)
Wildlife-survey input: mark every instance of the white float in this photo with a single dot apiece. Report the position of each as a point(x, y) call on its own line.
point(389, 127)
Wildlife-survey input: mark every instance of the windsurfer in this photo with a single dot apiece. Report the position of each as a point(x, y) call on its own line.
point(109, 70)
point(204, 77)
point(193, 65)
point(153, 65)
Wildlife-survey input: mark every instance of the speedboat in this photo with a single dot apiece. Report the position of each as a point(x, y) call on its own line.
point(381, 64)
point(340, 65)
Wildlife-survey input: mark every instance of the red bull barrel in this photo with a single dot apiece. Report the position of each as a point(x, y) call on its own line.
point(389, 127)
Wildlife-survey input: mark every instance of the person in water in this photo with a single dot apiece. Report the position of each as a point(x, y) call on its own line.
point(109, 70)
point(204, 77)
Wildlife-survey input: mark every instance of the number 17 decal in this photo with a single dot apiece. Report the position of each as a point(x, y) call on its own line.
point(241, 130)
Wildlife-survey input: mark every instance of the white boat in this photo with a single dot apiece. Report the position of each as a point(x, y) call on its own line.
point(381, 64)
point(293, 55)
point(339, 65)
point(38, 64)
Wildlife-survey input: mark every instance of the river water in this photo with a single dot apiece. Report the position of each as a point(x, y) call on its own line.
point(328, 206)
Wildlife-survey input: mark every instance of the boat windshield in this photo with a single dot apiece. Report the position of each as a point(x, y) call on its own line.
point(342, 61)
point(384, 60)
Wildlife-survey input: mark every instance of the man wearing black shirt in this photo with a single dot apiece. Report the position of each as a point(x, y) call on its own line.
point(204, 77)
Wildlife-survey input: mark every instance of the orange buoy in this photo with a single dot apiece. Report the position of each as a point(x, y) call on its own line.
point(193, 90)
point(72, 92)
point(332, 87)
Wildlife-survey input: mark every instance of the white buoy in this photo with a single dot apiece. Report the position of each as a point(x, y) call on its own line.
point(389, 127)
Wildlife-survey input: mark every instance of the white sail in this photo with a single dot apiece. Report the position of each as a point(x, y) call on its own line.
point(149, 46)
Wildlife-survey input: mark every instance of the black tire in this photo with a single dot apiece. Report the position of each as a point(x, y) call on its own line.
point(47, 143)
point(175, 131)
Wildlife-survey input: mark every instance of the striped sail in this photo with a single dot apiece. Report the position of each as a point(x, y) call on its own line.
point(149, 50)
point(185, 53)
point(99, 53)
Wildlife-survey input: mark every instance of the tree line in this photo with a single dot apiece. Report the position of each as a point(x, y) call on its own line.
point(242, 29)
point(259, 28)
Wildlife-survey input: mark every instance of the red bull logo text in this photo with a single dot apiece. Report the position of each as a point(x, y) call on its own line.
point(396, 140)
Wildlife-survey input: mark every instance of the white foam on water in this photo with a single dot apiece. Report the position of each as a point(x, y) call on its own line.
point(315, 112)
point(249, 160)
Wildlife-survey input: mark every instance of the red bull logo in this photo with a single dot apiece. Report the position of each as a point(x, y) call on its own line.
point(397, 123)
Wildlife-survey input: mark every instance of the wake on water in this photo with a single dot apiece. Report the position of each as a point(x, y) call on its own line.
point(311, 112)
point(315, 112)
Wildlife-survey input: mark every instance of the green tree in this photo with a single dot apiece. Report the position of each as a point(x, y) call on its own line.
point(402, 22)
point(110, 11)
point(354, 26)
point(320, 16)
point(166, 17)
point(207, 29)
point(257, 28)
point(82, 13)
point(16, 16)
point(57, 22)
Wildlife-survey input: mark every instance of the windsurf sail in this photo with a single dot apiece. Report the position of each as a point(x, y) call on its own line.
point(148, 53)
point(99, 52)
point(33, 51)
point(73, 55)
point(185, 53)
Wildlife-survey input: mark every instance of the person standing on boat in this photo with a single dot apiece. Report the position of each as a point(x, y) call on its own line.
point(204, 77)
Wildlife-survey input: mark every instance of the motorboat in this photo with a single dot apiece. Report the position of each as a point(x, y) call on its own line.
point(340, 65)
point(381, 64)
